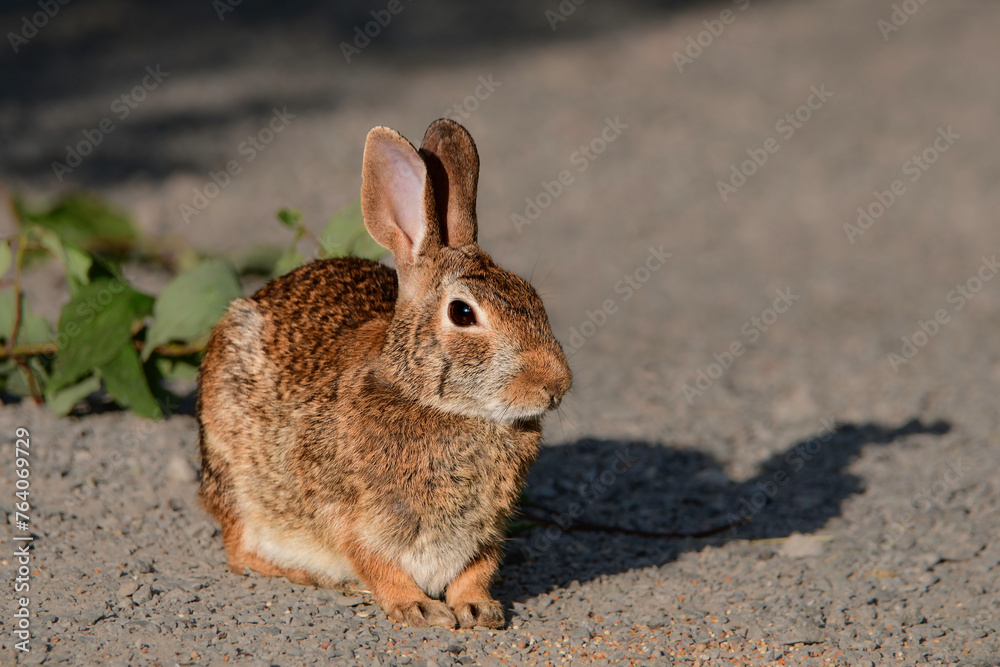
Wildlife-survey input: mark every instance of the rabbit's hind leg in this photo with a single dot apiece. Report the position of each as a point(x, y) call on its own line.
point(241, 557)
point(394, 590)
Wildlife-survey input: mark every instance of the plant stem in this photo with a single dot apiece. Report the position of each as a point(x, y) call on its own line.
point(41, 349)
point(29, 350)
point(173, 349)
point(22, 244)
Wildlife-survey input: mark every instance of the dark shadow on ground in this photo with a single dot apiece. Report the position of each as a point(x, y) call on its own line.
point(50, 82)
point(658, 488)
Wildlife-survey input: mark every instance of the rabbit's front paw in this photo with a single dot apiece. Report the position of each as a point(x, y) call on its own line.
point(487, 613)
point(425, 613)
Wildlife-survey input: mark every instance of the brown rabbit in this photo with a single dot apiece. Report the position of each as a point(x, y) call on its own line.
point(369, 426)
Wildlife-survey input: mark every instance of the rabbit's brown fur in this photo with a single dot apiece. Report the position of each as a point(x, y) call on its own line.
point(351, 431)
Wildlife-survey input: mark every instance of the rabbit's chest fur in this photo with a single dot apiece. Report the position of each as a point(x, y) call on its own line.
point(434, 498)
point(454, 506)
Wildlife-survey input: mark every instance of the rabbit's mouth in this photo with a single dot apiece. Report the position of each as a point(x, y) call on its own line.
point(503, 408)
point(527, 399)
point(512, 413)
point(541, 385)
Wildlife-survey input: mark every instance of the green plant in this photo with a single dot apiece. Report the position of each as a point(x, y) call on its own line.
point(110, 335)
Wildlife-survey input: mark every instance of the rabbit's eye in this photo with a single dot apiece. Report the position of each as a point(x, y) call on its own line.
point(461, 314)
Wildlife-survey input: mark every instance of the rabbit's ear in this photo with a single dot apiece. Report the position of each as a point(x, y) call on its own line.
point(397, 199)
point(453, 164)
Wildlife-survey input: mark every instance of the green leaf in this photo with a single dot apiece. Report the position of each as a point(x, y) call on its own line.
point(342, 230)
point(126, 381)
point(84, 220)
point(177, 369)
point(7, 369)
point(62, 401)
point(94, 326)
point(192, 303)
point(345, 235)
point(5, 257)
point(291, 218)
point(34, 329)
point(76, 262)
point(365, 246)
point(290, 260)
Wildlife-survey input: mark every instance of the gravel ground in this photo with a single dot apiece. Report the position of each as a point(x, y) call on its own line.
point(744, 387)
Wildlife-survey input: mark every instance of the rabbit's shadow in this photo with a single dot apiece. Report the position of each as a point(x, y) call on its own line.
point(657, 488)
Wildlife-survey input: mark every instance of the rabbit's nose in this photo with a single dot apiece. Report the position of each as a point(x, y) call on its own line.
point(559, 378)
point(556, 387)
point(548, 372)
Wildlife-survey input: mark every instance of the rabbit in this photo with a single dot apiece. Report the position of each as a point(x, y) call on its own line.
point(371, 429)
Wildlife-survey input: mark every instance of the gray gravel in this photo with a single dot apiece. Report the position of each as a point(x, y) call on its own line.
point(857, 504)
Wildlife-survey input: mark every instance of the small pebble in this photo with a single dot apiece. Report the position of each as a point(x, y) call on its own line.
point(801, 546)
point(127, 589)
point(142, 595)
